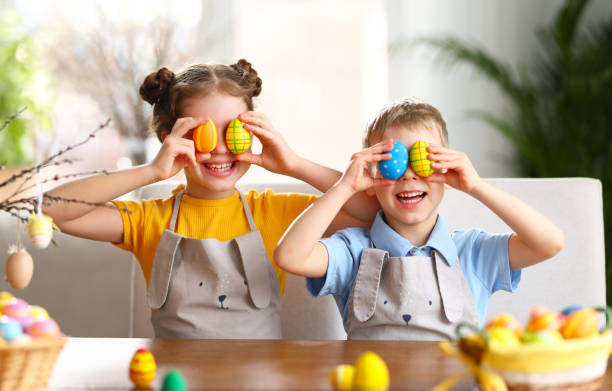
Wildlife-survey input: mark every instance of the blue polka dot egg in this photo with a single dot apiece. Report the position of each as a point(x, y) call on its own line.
point(396, 166)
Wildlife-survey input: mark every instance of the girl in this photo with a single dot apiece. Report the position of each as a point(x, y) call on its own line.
point(205, 251)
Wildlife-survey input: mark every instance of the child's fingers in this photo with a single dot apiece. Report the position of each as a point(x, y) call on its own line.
point(436, 177)
point(184, 125)
point(186, 152)
point(249, 157)
point(255, 118)
point(259, 132)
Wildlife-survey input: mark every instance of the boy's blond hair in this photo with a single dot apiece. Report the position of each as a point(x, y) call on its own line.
point(407, 113)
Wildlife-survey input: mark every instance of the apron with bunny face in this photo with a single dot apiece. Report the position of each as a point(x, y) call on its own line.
point(206, 288)
point(408, 298)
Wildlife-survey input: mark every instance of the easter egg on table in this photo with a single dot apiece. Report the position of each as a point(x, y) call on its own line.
point(40, 229)
point(205, 137)
point(47, 328)
point(237, 138)
point(583, 323)
point(10, 329)
point(341, 377)
point(371, 373)
point(174, 381)
point(19, 269)
point(395, 167)
point(419, 162)
point(142, 368)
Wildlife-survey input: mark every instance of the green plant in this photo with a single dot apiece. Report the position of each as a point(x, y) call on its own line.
point(19, 73)
point(561, 103)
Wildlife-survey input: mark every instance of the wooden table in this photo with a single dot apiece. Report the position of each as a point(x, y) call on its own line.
point(102, 363)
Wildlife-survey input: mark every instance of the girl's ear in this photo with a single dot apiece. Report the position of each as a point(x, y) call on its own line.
point(163, 136)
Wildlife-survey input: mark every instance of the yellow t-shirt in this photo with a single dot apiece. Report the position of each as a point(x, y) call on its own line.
point(145, 221)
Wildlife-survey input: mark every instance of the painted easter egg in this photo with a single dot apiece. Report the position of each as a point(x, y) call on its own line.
point(341, 378)
point(19, 269)
point(237, 138)
point(371, 373)
point(501, 337)
point(419, 162)
point(568, 310)
point(395, 167)
point(10, 329)
point(543, 319)
point(174, 381)
point(19, 310)
point(38, 313)
point(40, 229)
point(205, 137)
point(583, 323)
point(507, 321)
point(47, 328)
point(5, 298)
point(546, 336)
point(142, 368)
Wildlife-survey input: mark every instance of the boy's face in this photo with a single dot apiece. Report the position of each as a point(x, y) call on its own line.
point(411, 203)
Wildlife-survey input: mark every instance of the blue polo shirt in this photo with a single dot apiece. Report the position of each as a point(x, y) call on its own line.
point(483, 258)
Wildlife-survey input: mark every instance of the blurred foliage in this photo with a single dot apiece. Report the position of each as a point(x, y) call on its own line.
point(20, 70)
point(561, 102)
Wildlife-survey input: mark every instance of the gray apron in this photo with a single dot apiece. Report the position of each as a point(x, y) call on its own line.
point(408, 298)
point(206, 288)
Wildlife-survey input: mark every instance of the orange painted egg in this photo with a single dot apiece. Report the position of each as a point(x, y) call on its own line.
point(237, 138)
point(341, 378)
point(583, 323)
point(205, 137)
point(543, 319)
point(142, 368)
point(506, 321)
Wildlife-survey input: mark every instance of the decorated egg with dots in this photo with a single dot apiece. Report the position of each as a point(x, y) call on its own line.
point(205, 137)
point(40, 228)
point(419, 162)
point(395, 167)
point(341, 378)
point(142, 368)
point(237, 138)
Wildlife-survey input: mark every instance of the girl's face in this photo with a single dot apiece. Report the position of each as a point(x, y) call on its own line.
point(216, 177)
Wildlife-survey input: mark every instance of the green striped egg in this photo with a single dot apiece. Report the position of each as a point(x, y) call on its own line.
point(237, 138)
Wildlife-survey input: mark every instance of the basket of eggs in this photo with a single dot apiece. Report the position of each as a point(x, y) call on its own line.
point(565, 351)
point(30, 342)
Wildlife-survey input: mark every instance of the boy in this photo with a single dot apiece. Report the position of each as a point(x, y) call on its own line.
point(407, 277)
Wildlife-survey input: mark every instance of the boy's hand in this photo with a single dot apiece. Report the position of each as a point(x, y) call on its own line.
point(453, 168)
point(276, 155)
point(177, 150)
point(358, 176)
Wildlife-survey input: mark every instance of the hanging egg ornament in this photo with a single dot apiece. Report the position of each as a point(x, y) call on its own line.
point(419, 162)
point(142, 368)
point(341, 378)
point(40, 228)
point(205, 137)
point(237, 138)
point(395, 167)
point(19, 269)
point(371, 373)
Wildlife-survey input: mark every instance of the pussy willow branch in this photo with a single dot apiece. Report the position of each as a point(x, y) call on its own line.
point(55, 178)
point(11, 118)
point(50, 160)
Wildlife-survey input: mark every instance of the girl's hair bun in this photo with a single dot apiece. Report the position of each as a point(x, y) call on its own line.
point(156, 85)
point(248, 77)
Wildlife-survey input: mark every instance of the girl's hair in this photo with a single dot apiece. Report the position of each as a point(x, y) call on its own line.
point(408, 113)
point(165, 90)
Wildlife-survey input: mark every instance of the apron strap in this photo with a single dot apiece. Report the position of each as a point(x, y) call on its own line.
point(247, 211)
point(367, 282)
point(452, 289)
point(175, 209)
point(159, 281)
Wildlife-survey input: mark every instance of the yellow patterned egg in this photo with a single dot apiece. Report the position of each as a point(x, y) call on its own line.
point(40, 229)
point(371, 373)
point(237, 138)
point(341, 377)
point(5, 298)
point(142, 368)
point(419, 162)
point(205, 137)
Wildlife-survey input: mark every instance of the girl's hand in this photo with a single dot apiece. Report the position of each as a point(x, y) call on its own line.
point(453, 168)
point(358, 176)
point(177, 150)
point(276, 155)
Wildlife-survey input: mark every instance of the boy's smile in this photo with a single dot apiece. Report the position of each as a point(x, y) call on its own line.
point(411, 203)
point(216, 177)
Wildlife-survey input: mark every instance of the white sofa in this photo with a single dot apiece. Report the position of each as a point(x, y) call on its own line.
point(96, 290)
